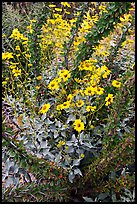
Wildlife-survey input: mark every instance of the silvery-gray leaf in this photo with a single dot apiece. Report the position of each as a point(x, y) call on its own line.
point(102, 196)
point(71, 118)
point(39, 126)
point(58, 157)
point(81, 136)
point(88, 199)
point(48, 121)
point(77, 171)
point(70, 150)
point(76, 162)
point(52, 128)
point(89, 145)
point(8, 181)
point(43, 144)
point(71, 176)
point(9, 163)
point(58, 123)
point(51, 155)
point(13, 169)
point(45, 152)
point(69, 143)
point(66, 162)
point(63, 133)
point(56, 134)
point(73, 138)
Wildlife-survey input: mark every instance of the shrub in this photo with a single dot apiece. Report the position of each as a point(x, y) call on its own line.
point(61, 94)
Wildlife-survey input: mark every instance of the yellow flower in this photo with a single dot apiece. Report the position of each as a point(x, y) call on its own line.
point(53, 85)
point(4, 82)
point(63, 71)
point(91, 108)
point(59, 107)
point(99, 90)
point(16, 34)
point(33, 21)
point(64, 74)
point(6, 56)
point(116, 83)
point(66, 4)
point(89, 91)
point(82, 155)
point(57, 79)
point(37, 87)
point(75, 92)
point(92, 126)
point(17, 47)
point(77, 80)
point(127, 17)
point(105, 71)
point(39, 77)
point(27, 55)
point(58, 9)
point(52, 5)
point(69, 97)
point(44, 108)
point(29, 65)
point(65, 105)
point(78, 125)
point(16, 72)
point(3, 35)
point(25, 42)
point(109, 99)
point(61, 143)
point(79, 103)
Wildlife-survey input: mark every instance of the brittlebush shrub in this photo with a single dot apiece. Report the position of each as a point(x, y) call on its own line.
point(60, 102)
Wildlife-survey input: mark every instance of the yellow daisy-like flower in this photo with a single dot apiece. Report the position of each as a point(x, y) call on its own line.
point(66, 105)
point(91, 108)
point(39, 77)
point(58, 9)
point(29, 65)
point(79, 103)
point(64, 74)
point(16, 34)
point(44, 108)
point(89, 91)
point(109, 99)
point(78, 125)
point(17, 47)
point(99, 90)
point(116, 83)
point(33, 21)
point(53, 85)
point(4, 82)
point(105, 71)
point(78, 80)
point(69, 97)
point(75, 92)
point(37, 87)
point(59, 107)
point(57, 79)
point(27, 55)
point(6, 56)
point(52, 5)
point(16, 72)
point(61, 143)
point(66, 4)
point(105, 75)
